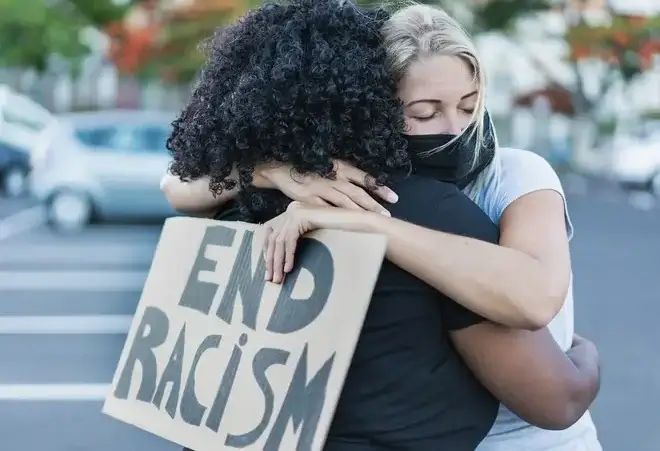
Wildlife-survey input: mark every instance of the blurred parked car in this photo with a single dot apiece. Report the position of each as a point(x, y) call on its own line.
point(14, 170)
point(636, 162)
point(21, 121)
point(101, 165)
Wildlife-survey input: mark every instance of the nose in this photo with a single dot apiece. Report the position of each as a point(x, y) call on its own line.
point(453, 123)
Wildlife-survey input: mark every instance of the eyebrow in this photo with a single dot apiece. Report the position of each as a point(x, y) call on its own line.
point(466, 96)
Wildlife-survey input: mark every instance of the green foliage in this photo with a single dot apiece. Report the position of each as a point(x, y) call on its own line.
point(177, 54)
point(32, 31)
point(39, 29)
point(501, 15)
point(628, 44)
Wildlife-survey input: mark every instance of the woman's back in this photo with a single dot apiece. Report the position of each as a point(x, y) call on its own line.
point(406, 387)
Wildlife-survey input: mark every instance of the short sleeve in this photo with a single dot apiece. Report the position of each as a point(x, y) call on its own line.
point(524, 172)
point(457, 317)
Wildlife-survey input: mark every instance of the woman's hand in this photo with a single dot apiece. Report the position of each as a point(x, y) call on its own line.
point(582, 349)
point(282, 232)
point(281, 239)
point(349, 190)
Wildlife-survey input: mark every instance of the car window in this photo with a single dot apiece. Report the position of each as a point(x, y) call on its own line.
point(125, 139)
point(134, 139)
point(151, 138)
point(98, 137)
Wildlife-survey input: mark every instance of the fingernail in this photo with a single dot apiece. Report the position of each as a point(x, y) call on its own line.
point(386, 213)
point(392, 197)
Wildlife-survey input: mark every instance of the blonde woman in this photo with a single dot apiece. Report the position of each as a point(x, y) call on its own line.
point(525, 282)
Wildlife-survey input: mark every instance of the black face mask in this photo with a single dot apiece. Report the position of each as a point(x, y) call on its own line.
point(454, 163)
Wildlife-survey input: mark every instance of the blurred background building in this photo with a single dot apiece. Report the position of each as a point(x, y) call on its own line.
point(565, 76)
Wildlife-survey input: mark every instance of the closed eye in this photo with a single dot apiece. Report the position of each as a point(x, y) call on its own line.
point(425, 118)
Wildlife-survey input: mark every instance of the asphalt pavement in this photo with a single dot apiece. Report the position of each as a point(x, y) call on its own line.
point(66, 302)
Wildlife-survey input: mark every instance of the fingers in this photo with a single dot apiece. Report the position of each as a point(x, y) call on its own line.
point(269, 250)
point(362, 179)
point(279, 253)
point(275, 256)
point(337, 198)
point(289, 253)
point(386, 194)
point(317, 201)
point(361, 198)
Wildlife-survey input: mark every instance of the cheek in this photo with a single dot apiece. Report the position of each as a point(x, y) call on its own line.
point(464, 120)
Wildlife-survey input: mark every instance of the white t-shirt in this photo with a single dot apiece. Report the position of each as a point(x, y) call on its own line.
point(524, 172)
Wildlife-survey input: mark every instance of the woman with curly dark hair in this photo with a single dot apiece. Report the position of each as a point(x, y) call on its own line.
point(305, 85)
point(290, 84)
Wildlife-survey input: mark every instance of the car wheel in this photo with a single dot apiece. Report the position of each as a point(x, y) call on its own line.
point(14, 181)
point(69, 211)
point(655, 184)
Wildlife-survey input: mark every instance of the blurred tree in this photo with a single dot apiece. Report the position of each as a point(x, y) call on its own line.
point(624, 45)
point(33, 31)
point(168, 44)
point(165, 42)
point(628, 43)
point(503, 15)
point(627, 46)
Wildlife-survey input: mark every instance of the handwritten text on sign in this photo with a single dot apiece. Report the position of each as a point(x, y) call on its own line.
point(206, 366)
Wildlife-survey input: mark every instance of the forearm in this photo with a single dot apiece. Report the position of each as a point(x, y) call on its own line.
point(587, 384)
point(196, 199)
point(576, 387)
point(501, 284)
point(498, 283)
point(529, 374)
point(193, 198)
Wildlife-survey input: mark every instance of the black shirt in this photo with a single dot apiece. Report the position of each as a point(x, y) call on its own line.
point(406, 388)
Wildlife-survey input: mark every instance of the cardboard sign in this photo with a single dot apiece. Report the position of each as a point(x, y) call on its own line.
point(218, 359)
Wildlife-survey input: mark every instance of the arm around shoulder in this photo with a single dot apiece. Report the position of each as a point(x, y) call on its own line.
point(529, 374)
point(193, 198)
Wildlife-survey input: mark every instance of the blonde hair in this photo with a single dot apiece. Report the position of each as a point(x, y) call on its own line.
point(416, 31)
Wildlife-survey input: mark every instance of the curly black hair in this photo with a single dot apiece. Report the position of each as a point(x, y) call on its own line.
point(301, 83)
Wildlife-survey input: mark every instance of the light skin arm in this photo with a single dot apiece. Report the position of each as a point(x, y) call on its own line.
point(529, 374)
point(483, 277)
point(526, 370)
point(194, 198)
point(521, 283)
point(349, 190)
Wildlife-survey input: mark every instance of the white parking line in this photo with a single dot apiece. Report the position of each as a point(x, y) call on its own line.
point(54, 392)
point(86, 254)
point(112, 281)
point(64, 325)
point(21, 222)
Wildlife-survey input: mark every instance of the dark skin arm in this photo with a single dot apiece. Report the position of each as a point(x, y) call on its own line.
point(529, 374)
point(525, 370)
